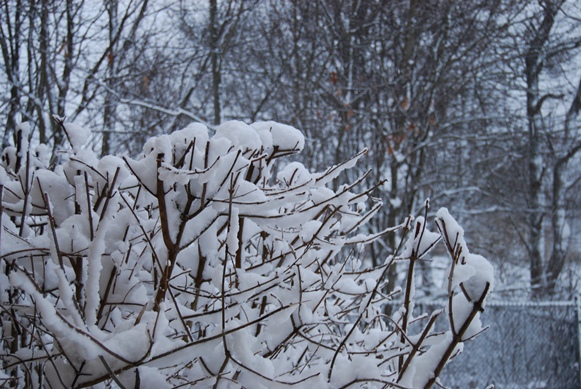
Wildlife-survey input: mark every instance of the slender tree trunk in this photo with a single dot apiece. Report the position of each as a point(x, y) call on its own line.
point(533, 66)
point(43, 86)
point(64, 83)
point(559, 228)
point(10, 44)
point(536, 213)
point(109, 111)
point(561, 235)
point(215, 59)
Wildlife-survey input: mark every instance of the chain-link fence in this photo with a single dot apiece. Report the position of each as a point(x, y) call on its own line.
point(528, 346)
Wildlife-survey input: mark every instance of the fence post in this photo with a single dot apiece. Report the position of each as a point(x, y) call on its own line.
point(578, 311)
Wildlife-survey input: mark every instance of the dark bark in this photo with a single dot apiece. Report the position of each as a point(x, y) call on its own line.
point(534, 60)
point(215, 59)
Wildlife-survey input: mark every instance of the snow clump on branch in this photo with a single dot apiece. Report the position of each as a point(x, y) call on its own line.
point(201, 262)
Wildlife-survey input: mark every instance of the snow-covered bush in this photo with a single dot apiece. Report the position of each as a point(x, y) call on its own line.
point(197, 264)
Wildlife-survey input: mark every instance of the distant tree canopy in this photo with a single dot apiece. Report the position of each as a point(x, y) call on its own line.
point(473, 103)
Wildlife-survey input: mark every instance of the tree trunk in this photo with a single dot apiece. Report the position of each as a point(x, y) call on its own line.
point(11, 55)
point(64, 83)
point(533, 66)
point(109, 112)
point(215, 59)
point(43, 85)
point(561, 233)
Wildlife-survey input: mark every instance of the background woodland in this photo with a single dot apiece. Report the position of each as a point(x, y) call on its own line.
point(472, 104)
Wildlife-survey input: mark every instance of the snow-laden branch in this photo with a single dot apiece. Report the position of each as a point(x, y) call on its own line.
point(196, 264)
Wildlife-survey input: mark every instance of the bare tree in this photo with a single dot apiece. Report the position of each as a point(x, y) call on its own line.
point(546, 161)
point(50, 70)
